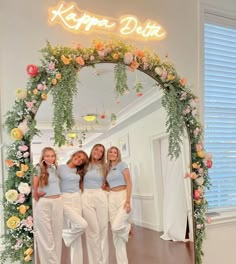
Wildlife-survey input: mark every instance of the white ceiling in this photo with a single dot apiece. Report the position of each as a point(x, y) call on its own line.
point(96, 94)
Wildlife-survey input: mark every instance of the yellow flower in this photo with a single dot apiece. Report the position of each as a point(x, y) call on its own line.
point(22, 209)
point(11, 195)
point(27, 258)
point(21, 93)
point(19, 174)
point(13, 222)
point(16, 133)
point(29, 251)
point(201, 154)
point(170, 77)
point(65, 60)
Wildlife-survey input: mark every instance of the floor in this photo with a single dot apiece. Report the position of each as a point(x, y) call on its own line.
point(147, 247)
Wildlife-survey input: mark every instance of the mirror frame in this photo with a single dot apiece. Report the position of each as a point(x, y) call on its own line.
point(58, 70)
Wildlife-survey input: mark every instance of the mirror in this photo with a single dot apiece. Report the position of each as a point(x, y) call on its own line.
point(162, 203)
point(144, 147)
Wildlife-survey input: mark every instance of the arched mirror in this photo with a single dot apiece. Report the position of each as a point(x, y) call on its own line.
point(162, 212)
point(136, 122)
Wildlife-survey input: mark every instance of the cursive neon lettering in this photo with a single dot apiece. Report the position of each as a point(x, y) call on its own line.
point(77, 21)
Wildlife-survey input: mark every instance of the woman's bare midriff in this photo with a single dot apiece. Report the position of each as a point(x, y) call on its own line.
point(53, 196)
point(118, 188)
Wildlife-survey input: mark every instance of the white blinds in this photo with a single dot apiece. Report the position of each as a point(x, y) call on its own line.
point(220, 113)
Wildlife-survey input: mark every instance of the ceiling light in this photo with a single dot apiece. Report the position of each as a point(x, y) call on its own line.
point(72, 135)
point(90, 117)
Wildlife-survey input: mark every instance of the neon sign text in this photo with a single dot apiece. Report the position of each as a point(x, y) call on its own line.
point(78, 21)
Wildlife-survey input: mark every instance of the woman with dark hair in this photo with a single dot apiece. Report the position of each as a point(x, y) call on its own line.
point(48, 212)
point(74, 224)
point(95, 207)
point(118, 179)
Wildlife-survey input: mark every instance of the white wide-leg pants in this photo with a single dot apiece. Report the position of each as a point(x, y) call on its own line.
point(74, 225)
point(95, 212)
point(48, 217)
point(120, 224)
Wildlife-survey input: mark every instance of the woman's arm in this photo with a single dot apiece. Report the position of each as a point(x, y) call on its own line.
point(127, 178)
point(36, 193)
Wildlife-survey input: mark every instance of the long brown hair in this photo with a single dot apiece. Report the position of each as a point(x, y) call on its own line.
point(44, 175)
point(102, 161)
point(81, 169)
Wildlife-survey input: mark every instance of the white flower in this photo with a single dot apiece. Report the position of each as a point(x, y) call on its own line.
point(199, 180)
point(158, 71)
point(24, 188)
point(11, 195)
point(23, 126)
point(128, 58)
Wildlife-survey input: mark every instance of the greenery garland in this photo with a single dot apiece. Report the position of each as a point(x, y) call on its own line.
point(58, 73)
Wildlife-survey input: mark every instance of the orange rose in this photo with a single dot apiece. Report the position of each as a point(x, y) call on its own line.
point(22, 209)
point(115, 56)
point(24, 167)
point(99, 46)
point(44, 96)
point(9, 163)
point(134, 65)
point(182, 81)
point(19, 174)
point(140, 53)
point(54, 81)
point(58, 76)
point(35, 91)
point(80, 61)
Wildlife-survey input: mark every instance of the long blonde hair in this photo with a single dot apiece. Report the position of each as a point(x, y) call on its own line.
point(109, 165)
point(102, 161)
point(44, 175)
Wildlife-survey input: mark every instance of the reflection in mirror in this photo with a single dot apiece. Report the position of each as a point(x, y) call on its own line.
point(162, 203)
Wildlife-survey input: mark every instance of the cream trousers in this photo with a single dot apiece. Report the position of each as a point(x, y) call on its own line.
point(95, 212)
point(48, 217)
point(120, 224)
point(74, 225)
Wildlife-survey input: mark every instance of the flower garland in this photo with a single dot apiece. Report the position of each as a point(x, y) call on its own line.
point(58, 74)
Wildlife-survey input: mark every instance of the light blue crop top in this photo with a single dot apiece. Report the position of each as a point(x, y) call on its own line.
point(93, 178)
point(115, 176)
point(53, 187)
point(69, 179)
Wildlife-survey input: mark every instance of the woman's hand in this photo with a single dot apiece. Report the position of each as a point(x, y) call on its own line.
point(105, 187)
point(127, 207)
point(38, 195)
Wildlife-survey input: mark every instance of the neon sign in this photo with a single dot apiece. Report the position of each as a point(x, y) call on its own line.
point(79, 21)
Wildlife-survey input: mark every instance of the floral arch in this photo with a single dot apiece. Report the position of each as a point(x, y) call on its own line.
point(58, 73)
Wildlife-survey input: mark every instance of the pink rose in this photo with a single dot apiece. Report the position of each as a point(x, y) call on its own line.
point(51, 66)
point(20, 198)
point(32, 70)
point(23, 148)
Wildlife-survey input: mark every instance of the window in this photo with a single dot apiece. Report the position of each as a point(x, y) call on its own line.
point(220, 112)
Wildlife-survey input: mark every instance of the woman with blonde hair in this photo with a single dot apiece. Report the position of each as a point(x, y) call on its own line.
point(48, 213)
point(95, 207)
point(74, 224)
point(118, 179)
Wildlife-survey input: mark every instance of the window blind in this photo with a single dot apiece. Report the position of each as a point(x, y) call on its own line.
point(220, 113)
